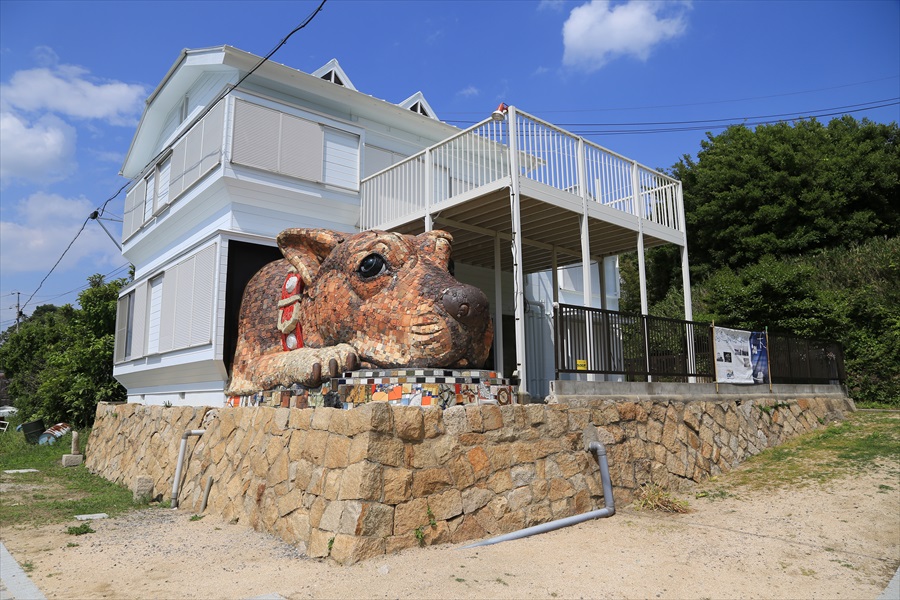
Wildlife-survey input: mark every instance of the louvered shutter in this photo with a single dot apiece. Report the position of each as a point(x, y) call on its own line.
point(154, 312)
point(341, 158)
point(121, 327)
point(176, 179)
point(256, 131)
point(202, 301)
point(300, 148)
point(139, 321)
point(212, 139)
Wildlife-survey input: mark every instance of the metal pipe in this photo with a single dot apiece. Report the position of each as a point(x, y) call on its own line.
point(209, 482)
point(180, 462)
point(607, 511)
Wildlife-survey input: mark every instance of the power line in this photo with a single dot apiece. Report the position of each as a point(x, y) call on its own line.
point(712, 125)
point(703, 103)
point(864, 105)
point(99, 212)
point(227, 91)
point(56, 264)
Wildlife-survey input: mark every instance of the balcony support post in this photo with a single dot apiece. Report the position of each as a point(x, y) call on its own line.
point(587, 293)
point(429, 190)
point(518, 273)
point(498, 305)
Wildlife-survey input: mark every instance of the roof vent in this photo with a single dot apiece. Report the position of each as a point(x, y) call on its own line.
point(332, 71)
point(418, 104)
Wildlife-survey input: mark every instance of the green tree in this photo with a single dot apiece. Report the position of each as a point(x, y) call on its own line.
point(59, 363)
point(785, 190)
point(24, 352)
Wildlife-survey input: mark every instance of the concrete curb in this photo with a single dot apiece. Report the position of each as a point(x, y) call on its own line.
point(13, 580)
point(892, 591)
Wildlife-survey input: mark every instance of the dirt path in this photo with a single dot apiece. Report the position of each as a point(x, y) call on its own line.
point(837, 540)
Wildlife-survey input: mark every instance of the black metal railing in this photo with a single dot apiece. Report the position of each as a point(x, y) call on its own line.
point(606, 342)
point(794, 359)
point(638, 347)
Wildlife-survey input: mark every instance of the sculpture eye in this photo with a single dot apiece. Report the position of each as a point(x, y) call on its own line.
point(372, 266)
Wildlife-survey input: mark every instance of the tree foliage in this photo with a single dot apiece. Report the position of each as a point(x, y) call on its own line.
point(59, 362)
point(785, 190)
point(794, 228)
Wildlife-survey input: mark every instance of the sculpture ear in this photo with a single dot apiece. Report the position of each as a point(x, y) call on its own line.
point(305, 249)
point(436, 245)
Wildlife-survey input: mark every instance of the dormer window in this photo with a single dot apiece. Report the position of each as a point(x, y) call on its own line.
point(185, 108)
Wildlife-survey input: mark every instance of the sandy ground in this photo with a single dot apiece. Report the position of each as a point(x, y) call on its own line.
point(834, 540)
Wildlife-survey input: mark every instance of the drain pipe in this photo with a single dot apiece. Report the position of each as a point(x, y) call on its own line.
point(180, 463)
point(609, 510)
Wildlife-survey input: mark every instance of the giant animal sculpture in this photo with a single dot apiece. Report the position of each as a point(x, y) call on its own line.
point(337, 302)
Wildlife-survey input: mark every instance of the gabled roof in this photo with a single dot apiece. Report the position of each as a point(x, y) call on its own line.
point(332, 71)
point(418, 104)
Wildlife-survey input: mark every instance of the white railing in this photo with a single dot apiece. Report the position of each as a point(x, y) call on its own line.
point(547, 154)
point(470, 159)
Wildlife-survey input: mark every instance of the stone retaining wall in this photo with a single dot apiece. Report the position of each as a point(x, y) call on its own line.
point(353, 484)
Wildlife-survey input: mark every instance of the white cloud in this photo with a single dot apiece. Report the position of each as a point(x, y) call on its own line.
point(468, 92)
point(70, 91)
point(598, 32)
point(42, 151)
point(41, 228)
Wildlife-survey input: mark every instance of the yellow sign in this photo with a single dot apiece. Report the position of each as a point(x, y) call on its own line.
point(581, 364)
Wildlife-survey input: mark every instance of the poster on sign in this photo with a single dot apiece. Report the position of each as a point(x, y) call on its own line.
point(733, 363)
point(759, 356)
point(741, 356)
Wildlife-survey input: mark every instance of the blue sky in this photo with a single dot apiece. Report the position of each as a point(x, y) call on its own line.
point(645, 79)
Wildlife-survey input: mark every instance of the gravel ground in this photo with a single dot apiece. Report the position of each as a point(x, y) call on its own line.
point(835, 540)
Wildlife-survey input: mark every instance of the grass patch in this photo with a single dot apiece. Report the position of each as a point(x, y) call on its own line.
point(53, 494)
point(82, 529)
point(855, 445)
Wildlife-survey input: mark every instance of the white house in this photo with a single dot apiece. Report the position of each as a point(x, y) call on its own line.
point(223, 161)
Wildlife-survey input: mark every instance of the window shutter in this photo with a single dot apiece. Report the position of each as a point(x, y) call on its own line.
point(139, 325)
point(162, 183)
point(202, 302)
point(154, 311)
point(212, 138)
point(193, 155)
point(184, 280)
point(255, 136)
point(167, 312)
point(341, 159)
point(128, 216)
point(300, 148)
point(148, 197)
point(176, 179)
point(121, 327)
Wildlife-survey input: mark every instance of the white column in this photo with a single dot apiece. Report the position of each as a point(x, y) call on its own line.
point(642, 273)
point(518, 272)
point(587, 292)
point(429, 190)
point(498, 306)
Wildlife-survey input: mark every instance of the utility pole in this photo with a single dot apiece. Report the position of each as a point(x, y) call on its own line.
point(18, 311)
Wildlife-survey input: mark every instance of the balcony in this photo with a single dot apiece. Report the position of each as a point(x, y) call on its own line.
point(472, 183)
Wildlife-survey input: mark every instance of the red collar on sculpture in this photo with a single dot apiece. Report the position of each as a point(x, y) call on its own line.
point(289, 312)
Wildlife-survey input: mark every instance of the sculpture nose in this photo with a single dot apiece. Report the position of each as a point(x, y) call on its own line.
point(465, 303)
